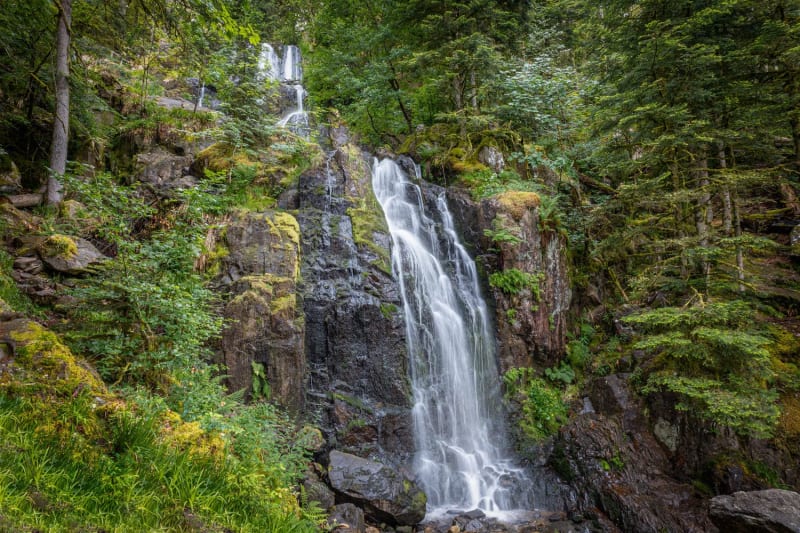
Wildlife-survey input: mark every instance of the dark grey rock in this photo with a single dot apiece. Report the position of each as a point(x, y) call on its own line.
point(346, 518)
point(385, 494)
point(317, 491)
point(357, 384)
point(762, 511)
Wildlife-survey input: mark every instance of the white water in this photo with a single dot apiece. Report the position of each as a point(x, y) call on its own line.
point(460, 456)
point(295, 119)
point(268, 63)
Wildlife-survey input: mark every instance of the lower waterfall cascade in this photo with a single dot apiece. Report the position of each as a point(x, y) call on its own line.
point(461, 458)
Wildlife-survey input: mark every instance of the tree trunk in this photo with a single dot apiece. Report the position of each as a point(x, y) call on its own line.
point(58, 151)
point(739, 251)
point(727, 208)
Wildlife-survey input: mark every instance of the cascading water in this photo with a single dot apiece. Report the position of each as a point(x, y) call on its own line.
point(292, 76)
point(268, 63)
point(460, 456)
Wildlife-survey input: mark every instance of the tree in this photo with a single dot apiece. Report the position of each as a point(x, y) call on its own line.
point(58, 152)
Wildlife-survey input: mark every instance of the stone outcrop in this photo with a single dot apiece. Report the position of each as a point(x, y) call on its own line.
point(763, 511)
point(263, 342)
point(357, 385)
point(615, 464)
point(512, 233)
point(383, 493)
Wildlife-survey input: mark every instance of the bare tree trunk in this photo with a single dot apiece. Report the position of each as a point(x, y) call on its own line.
point(739, 252)
point(473, 83)
point(58, 150)
point(727, 208)
point(704, 215)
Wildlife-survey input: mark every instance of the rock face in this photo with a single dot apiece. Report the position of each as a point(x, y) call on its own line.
point(767, 511)
point(263, 343)
point(357, 384)
point(512, 233)
point(384, 494)
point(616, 464)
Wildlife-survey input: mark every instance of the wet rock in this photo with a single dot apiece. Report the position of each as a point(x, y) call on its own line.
point(610, 394)
point(357, 383)
point(346, 518)
point(317, 491)
point(385, 494)
point(764, 511)
point(532, 323)
point(615, 464)
point(69, 255)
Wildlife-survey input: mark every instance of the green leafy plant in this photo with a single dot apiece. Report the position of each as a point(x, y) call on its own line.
point(563, 373)
point(514, 282)
point(715, 360)
point(542, 410)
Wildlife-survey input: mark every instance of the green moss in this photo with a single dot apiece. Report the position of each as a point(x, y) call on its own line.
point(368, 220)
point(387, 310)
point(517, 203)
point(57, 245)
point(283, 304)
point(352, 401)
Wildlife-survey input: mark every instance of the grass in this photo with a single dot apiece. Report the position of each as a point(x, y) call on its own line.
point(133, 480)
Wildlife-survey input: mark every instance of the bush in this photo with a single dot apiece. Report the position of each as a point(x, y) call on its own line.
point(715, 359)
point(541, 406)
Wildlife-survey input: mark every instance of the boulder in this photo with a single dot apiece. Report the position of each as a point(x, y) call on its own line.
point(317, 491)
point(385, 494)
point(69, 255)
point(767, 511)
point(346, 518)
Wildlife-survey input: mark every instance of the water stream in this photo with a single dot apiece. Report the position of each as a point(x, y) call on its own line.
point(461, 457)
point(295, 119)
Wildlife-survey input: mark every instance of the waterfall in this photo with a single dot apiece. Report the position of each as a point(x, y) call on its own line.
point(460, 457)
point(291, 75)
point(268, 63)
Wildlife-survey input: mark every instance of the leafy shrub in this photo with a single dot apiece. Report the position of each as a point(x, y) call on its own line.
point(715, 359)
point(514, 281)
point(541, 406)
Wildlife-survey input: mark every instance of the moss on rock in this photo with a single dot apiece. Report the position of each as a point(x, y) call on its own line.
point(60, 246)
point(517, 203)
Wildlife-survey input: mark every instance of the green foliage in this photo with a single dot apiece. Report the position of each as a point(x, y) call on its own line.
point(715, 359)
point(563, 373)
point(542, 410)
point(499, 234)
point(515, 282)
point(388, 310)
point(260, 386)
point(9, 292)
point(137, 478)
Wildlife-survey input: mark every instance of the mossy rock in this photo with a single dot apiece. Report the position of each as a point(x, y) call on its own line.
point(69, 255)
point(18, 222)
point(517, 203)
point(43, 365)
point(789, 422)
point(58, 246)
